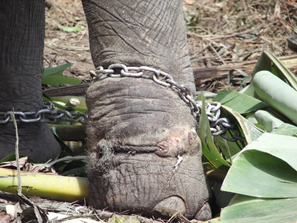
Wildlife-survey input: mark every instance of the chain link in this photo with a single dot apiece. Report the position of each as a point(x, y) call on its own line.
point(218, 126)
point(48, 114)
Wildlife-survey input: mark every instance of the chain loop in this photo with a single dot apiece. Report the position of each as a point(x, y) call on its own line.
point(218, 126)
point(47, 114)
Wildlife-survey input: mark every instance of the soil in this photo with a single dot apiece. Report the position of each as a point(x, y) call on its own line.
point(62, 47)
point(219, 33)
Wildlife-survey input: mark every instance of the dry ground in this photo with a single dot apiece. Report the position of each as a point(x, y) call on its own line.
point(219, 32)
point(61, 46)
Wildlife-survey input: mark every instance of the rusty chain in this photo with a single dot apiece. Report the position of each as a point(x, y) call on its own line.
point(218, 126)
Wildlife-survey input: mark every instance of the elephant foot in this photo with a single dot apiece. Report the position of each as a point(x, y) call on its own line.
point(144, 153)
point(147, 184)
point(35, 141)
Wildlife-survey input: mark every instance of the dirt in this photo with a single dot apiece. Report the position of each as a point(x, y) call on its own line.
point(62, 47)
point(219, 33)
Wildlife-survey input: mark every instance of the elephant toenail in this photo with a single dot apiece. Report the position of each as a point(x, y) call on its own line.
point(170, 206)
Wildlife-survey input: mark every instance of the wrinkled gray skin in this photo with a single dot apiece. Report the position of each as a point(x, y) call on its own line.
point(22, 27)
point(137, 128)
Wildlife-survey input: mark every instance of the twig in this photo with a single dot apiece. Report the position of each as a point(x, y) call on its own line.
point(39, 213)
point(222, 36)
point(178, 216)
point(217, 54)
point(84, 33)
point(68, 48)
point(270, 42)
point(172, 218)
point(200, 52)
point(46, 59)
point(17, 155)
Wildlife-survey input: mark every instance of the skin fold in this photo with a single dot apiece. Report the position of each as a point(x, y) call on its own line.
point(137, 129)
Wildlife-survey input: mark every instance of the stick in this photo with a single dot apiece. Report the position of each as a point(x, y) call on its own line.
point(17, 155)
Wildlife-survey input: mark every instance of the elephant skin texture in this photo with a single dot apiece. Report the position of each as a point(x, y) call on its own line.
point(137, 129)
point(21, 66)
point(135, 135)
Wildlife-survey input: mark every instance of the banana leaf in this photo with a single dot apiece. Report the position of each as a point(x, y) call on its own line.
point(264, 177)
point(269, 62)
point(239, 102)
point(244, 209)
point(53, 76)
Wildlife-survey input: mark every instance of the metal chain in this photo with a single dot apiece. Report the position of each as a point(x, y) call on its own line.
point(218, 126)
point(48, 114)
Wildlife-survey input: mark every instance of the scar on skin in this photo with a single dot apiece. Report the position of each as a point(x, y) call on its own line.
point(178, 141)
point(192, 136)
point(169, 148)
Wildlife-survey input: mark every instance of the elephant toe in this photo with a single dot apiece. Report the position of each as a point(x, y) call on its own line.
point(204, 213)
point(169, 206)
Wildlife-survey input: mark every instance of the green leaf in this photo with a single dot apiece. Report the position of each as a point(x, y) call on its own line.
point(280, 146)
point(251, 117)
point(269, 62)
point(250, 131)
point(58, 104)
point(267, 120)
point(266, 168)
point(222, 198)
point(244, 209)
point(68, 29)
point(228, 148)
point(286, 129)
point(64, 103)
point(275, 92)
point(53, 76)
point(12, 157)
point(239, 102)
point(208, 147)
point(249, 90)
point(56, 71)
point(260, 174)
point(57, 80)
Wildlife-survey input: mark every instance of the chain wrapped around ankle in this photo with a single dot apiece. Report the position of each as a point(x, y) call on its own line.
point(218, 126)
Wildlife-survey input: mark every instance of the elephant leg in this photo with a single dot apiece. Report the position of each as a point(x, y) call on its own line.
point(138, 130)
point(21, 65)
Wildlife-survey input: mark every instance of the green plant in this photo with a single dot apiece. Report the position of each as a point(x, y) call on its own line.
point(261, 180)
point(53, 76)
